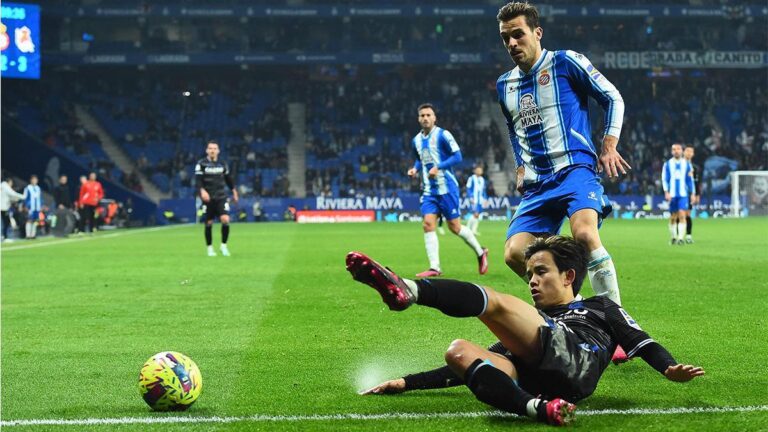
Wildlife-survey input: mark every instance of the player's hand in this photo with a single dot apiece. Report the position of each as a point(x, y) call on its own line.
point(433, 172)
point(667, 196)
point(412, 172)
point(610, 160)
point(235, 196)
point(520, 180)
point(683, 373)
point(695, 199)
point(204, 195)
point(388, 387)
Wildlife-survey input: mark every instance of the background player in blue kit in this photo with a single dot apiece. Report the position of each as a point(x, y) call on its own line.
point(545, 100)
point(677, 181)
point(476, 192)
point(436, 153)
point(33, 200)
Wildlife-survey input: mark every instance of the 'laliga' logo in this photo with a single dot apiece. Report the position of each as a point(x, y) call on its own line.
point(544, 78)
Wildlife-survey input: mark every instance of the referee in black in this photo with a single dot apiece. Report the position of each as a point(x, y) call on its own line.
point(688, 154)
point(212, 179)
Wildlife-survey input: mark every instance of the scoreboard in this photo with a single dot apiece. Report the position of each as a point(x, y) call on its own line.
point(20, 41)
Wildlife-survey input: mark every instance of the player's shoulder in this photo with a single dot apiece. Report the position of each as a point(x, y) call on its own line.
point(508, 74)
point(202, 161)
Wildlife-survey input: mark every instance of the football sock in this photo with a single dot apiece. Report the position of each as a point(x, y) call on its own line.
point(602, 275)
point(688, 224)
point(470, 240)
point(433, 249)
point(208, 235)
point(224, 233)
point(673, 230)
point(453, 298)
point(34, 230)
point(27, 230)
point(499, 390)
point(681, 227)
point(475, 224)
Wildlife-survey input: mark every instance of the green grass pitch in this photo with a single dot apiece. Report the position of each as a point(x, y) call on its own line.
point(280, 328)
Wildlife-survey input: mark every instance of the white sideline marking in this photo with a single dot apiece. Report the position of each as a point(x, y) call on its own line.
point(12, 247)
point(351, 416)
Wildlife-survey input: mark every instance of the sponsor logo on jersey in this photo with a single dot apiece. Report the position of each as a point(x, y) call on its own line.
point(592, 195)
point(529, 111)
point(214, 169)
point(632, 323)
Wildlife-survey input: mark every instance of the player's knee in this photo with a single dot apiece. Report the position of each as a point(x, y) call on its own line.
point(587, 236)
point(428, 226)
point(455, 226)
point(515, 259)
point(456, 354)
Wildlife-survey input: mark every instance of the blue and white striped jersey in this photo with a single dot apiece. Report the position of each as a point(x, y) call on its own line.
point(438, 148)
point(33, 197)
point(677, 178)
point(476, 189)
point(547, 111)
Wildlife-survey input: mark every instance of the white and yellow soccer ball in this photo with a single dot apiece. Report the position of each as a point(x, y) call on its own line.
point(170, 381)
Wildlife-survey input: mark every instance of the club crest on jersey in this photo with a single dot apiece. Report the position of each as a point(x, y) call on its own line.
point(529, 111)
point(544, 78)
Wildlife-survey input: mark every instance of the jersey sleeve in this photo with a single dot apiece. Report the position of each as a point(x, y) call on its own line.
point(198, 176)
point(689, 179)
point(447, 140)
point(228, 177)
point(625, 329)
point(585, 77)
point(501, 91)
point(469, 185)
point(416, 157)
point(665, 177)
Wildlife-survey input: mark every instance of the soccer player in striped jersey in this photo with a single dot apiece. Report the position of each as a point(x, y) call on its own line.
point(677, 181)
point(545, 100)
point(436, 152)
point(477, 196)
point(33, 200)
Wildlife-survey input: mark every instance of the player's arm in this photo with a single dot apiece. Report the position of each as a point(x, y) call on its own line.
point(441, 377)
point(199, 183)
point(417, 164)
point(689, 183)
point(665, 177)
point(230, 183)
point(586, 77)
point(448, 145)
point(637, 343)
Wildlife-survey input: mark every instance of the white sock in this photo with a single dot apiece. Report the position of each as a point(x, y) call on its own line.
point(413, 287)
point(475, 223)
point(602, 275)
point(28, 229)
point(470, 240)
point(673, 230)
point(433, 249)
point(34, 230)
point(681, 227)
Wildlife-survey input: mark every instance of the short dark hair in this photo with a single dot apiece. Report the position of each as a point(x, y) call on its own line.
point(212, 141)
point(567, 253)
point(513, 10)
point(427, 105)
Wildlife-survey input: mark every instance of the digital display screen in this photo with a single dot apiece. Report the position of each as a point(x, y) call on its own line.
point(20, 41)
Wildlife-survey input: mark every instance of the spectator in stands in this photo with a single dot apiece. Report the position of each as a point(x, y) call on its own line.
point(7, 197)
point(91, 194)
point(62, 196)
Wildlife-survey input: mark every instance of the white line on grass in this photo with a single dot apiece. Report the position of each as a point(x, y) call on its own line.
point(351, 416)
point(119, 233)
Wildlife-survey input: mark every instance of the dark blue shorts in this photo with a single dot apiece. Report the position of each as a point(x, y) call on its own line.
point(545, 207)
point(446, 205)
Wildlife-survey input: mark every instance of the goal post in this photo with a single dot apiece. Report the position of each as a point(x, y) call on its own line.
point(749, 193)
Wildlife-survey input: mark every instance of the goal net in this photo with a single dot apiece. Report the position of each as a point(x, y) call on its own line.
point(749, 193)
